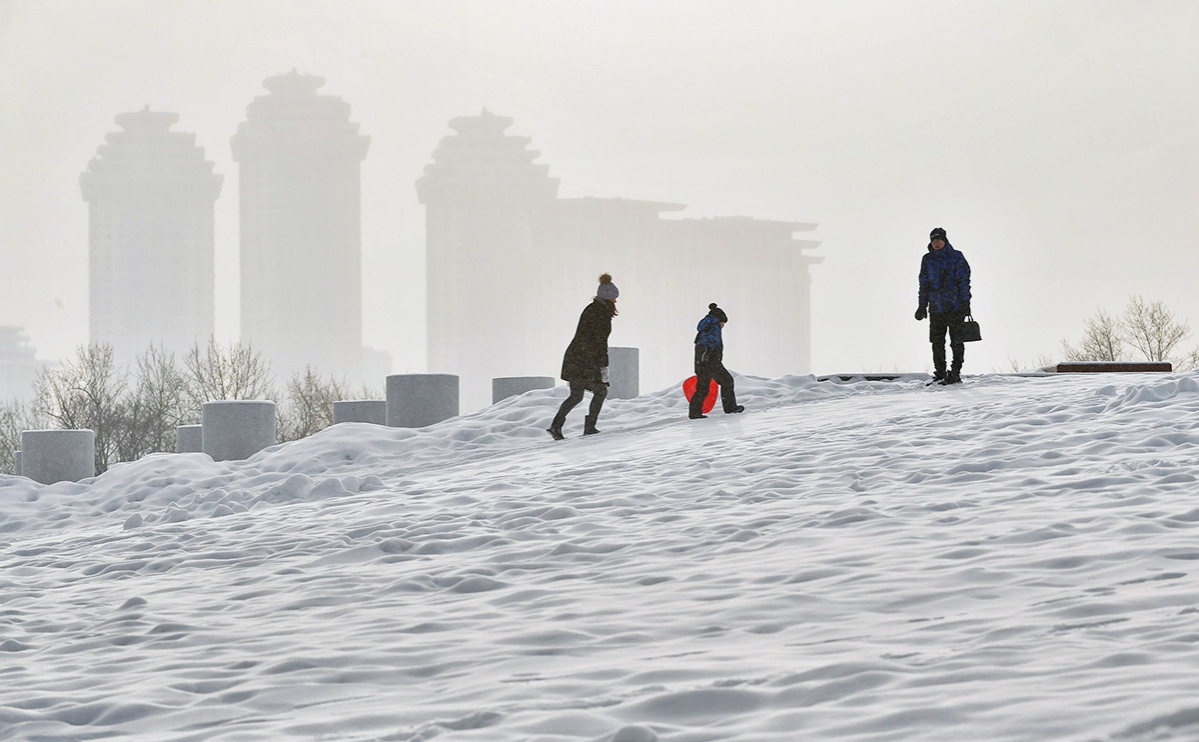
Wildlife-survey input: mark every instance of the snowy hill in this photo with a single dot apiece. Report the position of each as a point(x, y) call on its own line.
point(1012, 559)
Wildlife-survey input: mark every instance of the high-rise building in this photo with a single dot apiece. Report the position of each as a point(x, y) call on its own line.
point(484, 200)
point(510, 266)
point(299, 160)
point(150, 196)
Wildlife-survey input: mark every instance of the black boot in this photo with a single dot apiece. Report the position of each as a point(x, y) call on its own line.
point(555, 431)
point(953, 377)
point(938, 377)
point(589, 425)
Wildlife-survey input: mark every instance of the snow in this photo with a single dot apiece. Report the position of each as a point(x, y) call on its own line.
point(1010, 559)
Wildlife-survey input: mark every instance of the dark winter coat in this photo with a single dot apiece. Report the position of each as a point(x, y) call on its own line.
point(944, 280)
point(708, 335)
point(588, 352)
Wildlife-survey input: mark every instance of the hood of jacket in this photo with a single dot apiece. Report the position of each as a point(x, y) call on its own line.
point(708, 332)
point(606, 304)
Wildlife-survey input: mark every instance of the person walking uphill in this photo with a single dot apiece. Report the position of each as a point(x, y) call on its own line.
point(709, 364)
point(945, 300)
point(585, 365)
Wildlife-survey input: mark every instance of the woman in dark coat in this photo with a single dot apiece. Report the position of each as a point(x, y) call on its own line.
point(709, 364)
point(585, 365)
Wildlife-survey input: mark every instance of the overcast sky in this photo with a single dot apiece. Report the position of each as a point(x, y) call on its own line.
point(1055, 140)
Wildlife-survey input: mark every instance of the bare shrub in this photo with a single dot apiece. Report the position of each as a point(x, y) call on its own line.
point(1102, 340)
point(16, 416)
point(86, 392)
point(233, 371)
point(1152, 329)
point(1147, 330)
point(1015, 366)
point(133, 417)
point(156, 406)
point(308, 407)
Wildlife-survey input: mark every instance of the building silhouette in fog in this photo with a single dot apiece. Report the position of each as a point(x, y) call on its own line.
point(150, 196)
point(18, 364)
point(510, 266)
point(299, 159)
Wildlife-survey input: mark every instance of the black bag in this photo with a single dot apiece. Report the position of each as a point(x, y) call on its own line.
point(971, 332)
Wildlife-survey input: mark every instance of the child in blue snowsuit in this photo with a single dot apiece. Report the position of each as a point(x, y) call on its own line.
point(709, 364)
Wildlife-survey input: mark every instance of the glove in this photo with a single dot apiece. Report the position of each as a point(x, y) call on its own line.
point(604, 374)
point(921, 313)
point(966, 310)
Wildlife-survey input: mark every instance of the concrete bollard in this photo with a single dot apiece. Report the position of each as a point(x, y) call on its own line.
point(417, 400)
point(16, 463)
point(50, 456)
point(510, 386)
point(360, 411)
point(237, 429)
point(189, 439)
point(624, 373)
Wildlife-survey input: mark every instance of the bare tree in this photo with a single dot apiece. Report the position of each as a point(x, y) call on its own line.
point(156, 407)
point(1152, 329)
point(1188, 362)
point(1148, 328)
point(1102, 340)
point(86, 392)
point(309, 405)
point(15, 417)
point(233, 371)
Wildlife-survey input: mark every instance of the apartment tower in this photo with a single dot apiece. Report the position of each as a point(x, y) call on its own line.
point(299, 159)
point(150, 196)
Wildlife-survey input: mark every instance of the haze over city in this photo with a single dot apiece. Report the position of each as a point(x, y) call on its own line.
point(1054, 141)
point(197, 550)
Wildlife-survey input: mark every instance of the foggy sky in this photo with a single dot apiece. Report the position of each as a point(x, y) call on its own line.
point(1054, 140)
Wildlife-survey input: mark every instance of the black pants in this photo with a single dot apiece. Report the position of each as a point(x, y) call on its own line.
point(599, 392)
point(709, 365)
point(938, 323)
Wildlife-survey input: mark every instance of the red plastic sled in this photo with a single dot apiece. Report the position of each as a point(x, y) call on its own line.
point(713, 393)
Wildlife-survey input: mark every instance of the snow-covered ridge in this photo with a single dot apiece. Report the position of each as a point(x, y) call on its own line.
point(1006, 560)
point(345, 458)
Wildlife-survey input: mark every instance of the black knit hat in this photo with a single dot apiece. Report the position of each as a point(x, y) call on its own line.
point(717, 312)
point(938, 233)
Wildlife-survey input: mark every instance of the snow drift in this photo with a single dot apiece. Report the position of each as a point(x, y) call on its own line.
point(1007, 560)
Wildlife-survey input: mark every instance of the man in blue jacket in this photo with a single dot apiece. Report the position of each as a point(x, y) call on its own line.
point(945, 300)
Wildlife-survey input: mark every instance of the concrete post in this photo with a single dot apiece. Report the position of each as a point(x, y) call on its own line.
point(238, 429)
point(417, 400)
point(510, 386)
point(16, 463)
point(624, 373)
point(360, 411)
point(50, 456)
point(189, 439)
